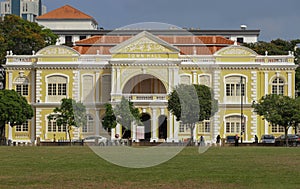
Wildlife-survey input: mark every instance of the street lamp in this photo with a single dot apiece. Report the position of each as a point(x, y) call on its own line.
point(242, 93)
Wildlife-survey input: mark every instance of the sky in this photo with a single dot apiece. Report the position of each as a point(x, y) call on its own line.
point(275, 18)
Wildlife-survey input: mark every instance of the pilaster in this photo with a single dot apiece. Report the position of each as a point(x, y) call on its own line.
point(38, 82)
point(76, 85)
point(266, 82)
point(290, 84)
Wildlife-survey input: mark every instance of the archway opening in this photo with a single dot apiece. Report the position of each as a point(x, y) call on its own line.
point(126, 133)
point(146, 120)
point(144, 84)
point(163, 127)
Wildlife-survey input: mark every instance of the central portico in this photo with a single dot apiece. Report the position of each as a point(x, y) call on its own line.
point(144, 71)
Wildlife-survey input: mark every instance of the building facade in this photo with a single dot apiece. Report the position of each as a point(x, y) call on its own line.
point(145, 68)
point(26, 9)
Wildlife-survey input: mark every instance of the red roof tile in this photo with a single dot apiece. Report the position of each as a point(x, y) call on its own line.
point(65, 12)
point(188, 45)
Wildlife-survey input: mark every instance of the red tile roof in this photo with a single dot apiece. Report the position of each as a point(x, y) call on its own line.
point(65, 12)
point(188, 45)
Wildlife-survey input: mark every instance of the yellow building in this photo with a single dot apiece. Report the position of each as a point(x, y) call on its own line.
point(145, 68)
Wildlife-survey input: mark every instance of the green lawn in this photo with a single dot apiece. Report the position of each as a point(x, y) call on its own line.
point(79, 167)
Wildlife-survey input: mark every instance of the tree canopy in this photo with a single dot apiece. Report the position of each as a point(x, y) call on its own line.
point(22, 36)
point(126, 113)
point(191, 104)
point(14, 109)
point(279, 110)
point(70, 113)
point(109, 120)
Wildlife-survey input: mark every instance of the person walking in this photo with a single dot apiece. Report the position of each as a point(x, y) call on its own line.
point(236, 140)
point(218, 140)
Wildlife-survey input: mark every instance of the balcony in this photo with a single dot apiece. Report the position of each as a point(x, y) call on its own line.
point(146, 97)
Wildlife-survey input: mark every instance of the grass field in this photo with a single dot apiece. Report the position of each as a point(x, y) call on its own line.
point(79, 167)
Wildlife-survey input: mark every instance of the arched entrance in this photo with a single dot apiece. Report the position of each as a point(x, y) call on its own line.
point(146, 120)
point(126, 133)
point(144, 84)
point(163, 127)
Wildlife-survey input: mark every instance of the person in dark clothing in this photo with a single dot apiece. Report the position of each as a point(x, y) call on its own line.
point(218, 140)
point(256, 139)
point(236, 140)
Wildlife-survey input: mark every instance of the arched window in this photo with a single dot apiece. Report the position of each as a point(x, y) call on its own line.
point(21, 84)
point(57, 88)
point(204, 126)
point(204, 80)
point(89, 126)
point(278, 86)
point(106, 88)
point(87, 88)
point(235, 87)
point(53, 127)
point(185, 79)
point(233, 125)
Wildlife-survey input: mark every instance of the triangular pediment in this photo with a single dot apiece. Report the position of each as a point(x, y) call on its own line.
point(236, 51)
point(57, 50)
point(144, 42)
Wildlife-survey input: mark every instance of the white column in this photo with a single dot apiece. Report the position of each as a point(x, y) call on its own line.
point(113, 81)
point(266, 83)
point(266, 127)
point(97, 122)
point(154, 125)
point(97, 87)
point(195, 133)
point(113, 133)
point(171, 126)
point(176, 130)
point(290, 84)
point(170, 80)
point(9, 132)
point(194, 77)
point(118, 130)
point(133, 131)
point(118, 81)
point(176, 76)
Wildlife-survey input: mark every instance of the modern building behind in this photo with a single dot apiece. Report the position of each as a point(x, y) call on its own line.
point(26, 9)
point(71, 25)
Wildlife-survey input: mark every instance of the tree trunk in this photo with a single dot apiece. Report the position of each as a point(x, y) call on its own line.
point(69, 133)
point(286, 137)
point(2, 128)
point(192, 134)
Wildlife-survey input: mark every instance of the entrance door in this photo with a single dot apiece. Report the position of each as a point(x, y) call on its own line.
point(146, 120)
point(163, 127)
